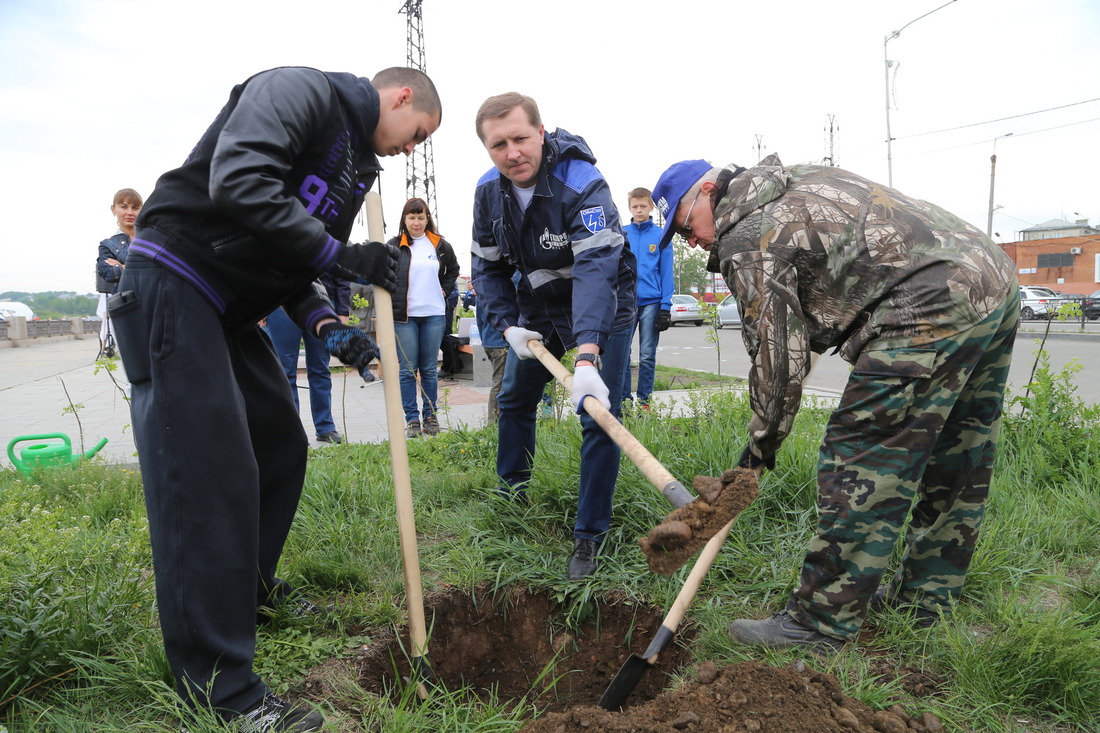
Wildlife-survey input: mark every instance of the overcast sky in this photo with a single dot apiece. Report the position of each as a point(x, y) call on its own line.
point(97, 95)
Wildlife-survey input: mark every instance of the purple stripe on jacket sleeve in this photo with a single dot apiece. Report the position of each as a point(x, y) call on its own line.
point(181, 268)
point(318, 315)
point(327, 255)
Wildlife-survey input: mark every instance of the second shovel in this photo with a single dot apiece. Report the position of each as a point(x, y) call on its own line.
point(636, 665)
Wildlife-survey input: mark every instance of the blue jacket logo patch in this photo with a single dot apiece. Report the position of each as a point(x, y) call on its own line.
point(652, 248)
point(593, 219)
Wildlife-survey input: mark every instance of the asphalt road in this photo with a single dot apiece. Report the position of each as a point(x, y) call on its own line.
point(687, 347)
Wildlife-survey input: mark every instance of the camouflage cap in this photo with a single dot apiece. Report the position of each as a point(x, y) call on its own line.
point(672, 186)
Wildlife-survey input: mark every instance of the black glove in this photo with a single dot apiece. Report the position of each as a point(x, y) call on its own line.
point(664, 320)
point(348, 344)
point(750, 460)
point(370, 263)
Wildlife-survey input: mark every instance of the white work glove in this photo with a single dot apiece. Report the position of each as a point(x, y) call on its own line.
point(518, 337)
point(587, 383)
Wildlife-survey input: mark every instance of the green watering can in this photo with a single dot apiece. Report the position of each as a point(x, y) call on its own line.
point(46, 455)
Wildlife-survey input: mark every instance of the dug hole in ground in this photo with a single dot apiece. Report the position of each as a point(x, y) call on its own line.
point(504, 646)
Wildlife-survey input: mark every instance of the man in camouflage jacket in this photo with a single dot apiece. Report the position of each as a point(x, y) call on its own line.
point(925, 307)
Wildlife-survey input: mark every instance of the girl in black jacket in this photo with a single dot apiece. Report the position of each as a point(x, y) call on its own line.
point(426, 271)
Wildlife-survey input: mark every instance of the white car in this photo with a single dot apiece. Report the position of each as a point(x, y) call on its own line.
point(1038, 302)
point(685, 309)
point(728, 314)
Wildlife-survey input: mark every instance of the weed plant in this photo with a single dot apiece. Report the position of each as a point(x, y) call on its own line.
point(80, 649)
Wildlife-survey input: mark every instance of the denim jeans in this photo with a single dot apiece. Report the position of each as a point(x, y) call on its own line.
point(524, 382)
point(647, 353)
point(287, 338)
point(418, 342)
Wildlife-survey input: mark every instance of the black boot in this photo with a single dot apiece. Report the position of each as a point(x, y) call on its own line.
point(582, 562)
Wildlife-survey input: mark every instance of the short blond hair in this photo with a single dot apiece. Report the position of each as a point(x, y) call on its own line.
point(640, 193)
point(501, 104)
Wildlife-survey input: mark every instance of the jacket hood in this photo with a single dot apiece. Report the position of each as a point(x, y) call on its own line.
point(562, 145)
point(753, 189)
point(361, 104)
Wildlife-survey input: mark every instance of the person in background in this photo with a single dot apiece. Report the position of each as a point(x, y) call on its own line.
point(111, 261)
point(545, 211)
point(288, 337)
point(449, 362)
point(469, 298)
point(262, 206)
point(426, 270)
point(364, 314)
point(654, 290)
point(925, 307)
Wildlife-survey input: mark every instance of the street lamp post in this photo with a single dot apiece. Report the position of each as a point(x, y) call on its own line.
point(992, 177)
point(889, 63)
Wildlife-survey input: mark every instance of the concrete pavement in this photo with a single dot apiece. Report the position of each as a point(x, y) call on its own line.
point(54, 387)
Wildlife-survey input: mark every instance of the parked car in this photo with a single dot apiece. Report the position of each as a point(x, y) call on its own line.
point(1038, 302)
point(686, 309)
point(1091, 306)
point(728, 314)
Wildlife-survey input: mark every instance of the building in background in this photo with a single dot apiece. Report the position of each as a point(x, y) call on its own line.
point(1058, 254)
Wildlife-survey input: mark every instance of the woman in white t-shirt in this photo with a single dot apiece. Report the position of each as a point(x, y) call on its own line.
point(426, 271)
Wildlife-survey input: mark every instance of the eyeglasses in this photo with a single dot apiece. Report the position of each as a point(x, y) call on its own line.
point(685, 230)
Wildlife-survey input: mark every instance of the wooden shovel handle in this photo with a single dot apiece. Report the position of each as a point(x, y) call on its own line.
point(657, 474)
point(399, 455)
point(687, 593)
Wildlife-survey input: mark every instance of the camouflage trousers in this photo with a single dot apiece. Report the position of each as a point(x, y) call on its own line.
point(913, 438)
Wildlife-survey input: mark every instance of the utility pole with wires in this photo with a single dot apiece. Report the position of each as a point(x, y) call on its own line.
point(759, 149)
point(832, 131)
point(420, 165)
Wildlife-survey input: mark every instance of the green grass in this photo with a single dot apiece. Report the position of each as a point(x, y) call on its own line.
point(80, 649)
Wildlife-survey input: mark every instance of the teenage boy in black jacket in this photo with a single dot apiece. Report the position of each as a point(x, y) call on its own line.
point(263, 205)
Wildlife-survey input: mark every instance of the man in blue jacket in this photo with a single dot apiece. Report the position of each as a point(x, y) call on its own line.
point(654, 290)
point(260, 209)
point(545, 211)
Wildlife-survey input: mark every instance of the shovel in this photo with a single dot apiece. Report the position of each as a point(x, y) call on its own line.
point(636, 665)
point(706, 515)
point(399, 457)
point(657, 474)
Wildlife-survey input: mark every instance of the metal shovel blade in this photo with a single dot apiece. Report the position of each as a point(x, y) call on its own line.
point(636, 665)
point(630, 674)
point(628, 677)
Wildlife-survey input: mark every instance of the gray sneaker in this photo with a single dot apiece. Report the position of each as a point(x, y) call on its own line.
point(275, 714)
point(782, 632)
point(412, 429)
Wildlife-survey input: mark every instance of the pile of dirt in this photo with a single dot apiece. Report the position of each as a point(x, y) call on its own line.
point(743, 698)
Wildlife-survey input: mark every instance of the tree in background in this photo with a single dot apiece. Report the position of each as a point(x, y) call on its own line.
point(690, 268)
point(55, 304)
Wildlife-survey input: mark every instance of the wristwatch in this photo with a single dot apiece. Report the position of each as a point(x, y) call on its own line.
point(588, 356)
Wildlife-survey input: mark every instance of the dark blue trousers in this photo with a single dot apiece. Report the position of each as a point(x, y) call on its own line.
point(524, 382)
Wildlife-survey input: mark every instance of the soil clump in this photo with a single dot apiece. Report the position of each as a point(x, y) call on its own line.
point(685, 530)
